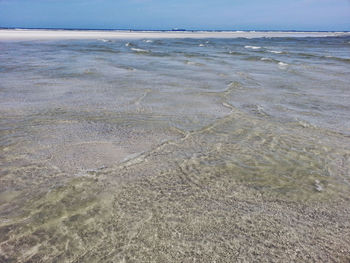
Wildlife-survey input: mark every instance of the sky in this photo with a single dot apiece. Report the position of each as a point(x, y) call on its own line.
point(169, 14)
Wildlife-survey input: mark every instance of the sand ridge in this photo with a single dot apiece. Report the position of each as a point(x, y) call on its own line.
point(37, 34)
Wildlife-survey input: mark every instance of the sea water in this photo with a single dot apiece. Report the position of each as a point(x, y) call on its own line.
point(175, 150)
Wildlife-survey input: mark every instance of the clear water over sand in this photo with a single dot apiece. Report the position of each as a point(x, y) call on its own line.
point(175, 150)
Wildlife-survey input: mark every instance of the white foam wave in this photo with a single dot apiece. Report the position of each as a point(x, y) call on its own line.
point(275, 52)
point(128, 44)
point(201, 45)
point(282, 65)
point(139, 50)
point(265, 59)
point(148, 41)
point(104, 40)
point(252, 47)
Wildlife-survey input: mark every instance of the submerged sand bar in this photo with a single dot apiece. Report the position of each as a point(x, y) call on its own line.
point(36, 34)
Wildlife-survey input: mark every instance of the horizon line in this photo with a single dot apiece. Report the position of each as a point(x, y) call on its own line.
point(173, 29)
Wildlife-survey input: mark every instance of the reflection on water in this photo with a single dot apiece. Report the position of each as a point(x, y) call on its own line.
point(175, 150)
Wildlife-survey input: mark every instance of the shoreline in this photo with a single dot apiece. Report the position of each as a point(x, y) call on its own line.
point(43, 34)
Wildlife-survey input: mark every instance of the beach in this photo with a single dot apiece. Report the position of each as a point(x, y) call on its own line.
point(174, 146)
point(32, 34)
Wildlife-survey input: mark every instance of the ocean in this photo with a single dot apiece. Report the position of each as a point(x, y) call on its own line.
point(175, 150)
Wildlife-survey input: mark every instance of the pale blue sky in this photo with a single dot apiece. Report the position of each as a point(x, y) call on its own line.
point(189, 14)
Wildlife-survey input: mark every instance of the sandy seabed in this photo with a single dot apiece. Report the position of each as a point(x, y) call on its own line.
point(174, 150)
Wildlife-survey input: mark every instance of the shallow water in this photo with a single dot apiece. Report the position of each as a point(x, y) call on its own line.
point(175, 150)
